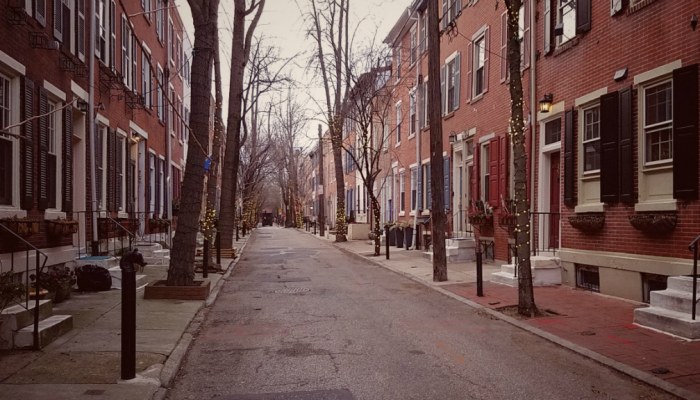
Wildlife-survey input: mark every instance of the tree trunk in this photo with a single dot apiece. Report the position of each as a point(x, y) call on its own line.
point(377, 226)
point(526, 298)
point(321, 203)
point(437, 165)
point(181, 270)
point(336, 131)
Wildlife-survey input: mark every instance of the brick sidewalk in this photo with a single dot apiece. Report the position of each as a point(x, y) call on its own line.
point(603, 325)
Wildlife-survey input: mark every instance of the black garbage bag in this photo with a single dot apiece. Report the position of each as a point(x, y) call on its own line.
point(93, 278)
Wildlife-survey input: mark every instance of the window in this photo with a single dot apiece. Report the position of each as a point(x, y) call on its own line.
point(151, 182)
point(385, 134)
point(126, 52)
point(566, 15)
point(591, 139)
point(485, 175)
point(398, 63)
point(6, 145)
point(100, 136)
point(521, 34)
point(145, 82)
point(159, 19)
point(171, 41)
point(146, 6)
point(80, 29)
point(424, 33)
point(159, 96)
point(452, 83)
point(101, 31)
point(402, 186)
point(412, 114)
point(113, 35)
point(450, 10)
point(120, 176)
point(54, 137)
point(161, 187)
point(62, 21)
point(658, 123)
point(470, 148)
point(414, 188)
point(552, 131)
point(587, 277)
point(398, 122)
point(413, 56)
point(479, 61)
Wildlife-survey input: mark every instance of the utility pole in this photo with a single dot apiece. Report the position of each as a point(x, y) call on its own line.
point(321, 206)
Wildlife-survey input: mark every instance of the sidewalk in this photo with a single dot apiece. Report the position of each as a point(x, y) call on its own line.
point(594, 325)
point(85, 362)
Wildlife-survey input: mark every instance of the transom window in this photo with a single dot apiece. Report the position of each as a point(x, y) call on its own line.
point(658, 122)
point(591, 139)
point(479, 59)
point(552, 131)
point(566, 15)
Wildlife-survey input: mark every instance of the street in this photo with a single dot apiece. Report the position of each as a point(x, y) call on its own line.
point(299, 319)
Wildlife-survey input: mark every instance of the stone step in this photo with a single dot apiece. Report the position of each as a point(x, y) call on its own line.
point(147, 249)
point(461, 243)
point(671, 299)
point(544, 262)
point(17, 317)
point(682, 283)
point(161, 253)
point(101, 261)
point(117, 278)
point(504, 278)
point(428, 255)
point(157, 260)
point(508, 269)
point(673, 322)
point(50, 329)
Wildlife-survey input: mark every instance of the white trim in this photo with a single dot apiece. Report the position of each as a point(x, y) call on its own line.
point(393, 165)
point(656, 72)
point(138, 129)
point(590, 97)
point(16, 66)
point(414, 165)
point(145, 46)
point(487, 137)
point(444, 154)
point(553, 113)
point(102, 119)
point(447, 61)
point(53, 214)
point(591, 207)
point(78, 91)
point(471, 132)
point(56, 92)
point(402, 170)
point(11, 211)
point(425, 161)
point(121, 132)
point(658, 205)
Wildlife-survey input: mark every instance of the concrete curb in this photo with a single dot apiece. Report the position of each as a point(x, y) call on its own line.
point(172, 364)
point(618, 366)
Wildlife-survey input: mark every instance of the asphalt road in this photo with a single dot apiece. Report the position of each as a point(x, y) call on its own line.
point(299, 319)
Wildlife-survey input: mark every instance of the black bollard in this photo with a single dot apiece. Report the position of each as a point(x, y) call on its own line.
point(244, 229)
point(218, 248)
point(314, 227)
point(236, 231)
point(387, 242)
point(205, 261)
point(129, 312)
point(479, 275)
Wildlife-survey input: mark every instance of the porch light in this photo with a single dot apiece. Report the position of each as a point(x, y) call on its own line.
point(136, 137)
point(453, 138)
point(546, 103)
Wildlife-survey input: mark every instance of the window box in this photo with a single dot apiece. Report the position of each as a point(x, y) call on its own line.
point(507, 221)
point(588, 223)
point(481, 220)
point(654, 224)
point(21, 227)
point(60, 227)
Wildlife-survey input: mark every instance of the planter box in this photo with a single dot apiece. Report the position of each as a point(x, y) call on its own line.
point(481, 221)
point(408, 238)
point(159, 290)
point(654, 224)
point(60, 228)
point(587, 223)
point(21, 227)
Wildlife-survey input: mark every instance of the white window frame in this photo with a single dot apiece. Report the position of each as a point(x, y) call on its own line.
point(480, 38)
point(585, 141)
point(561, 5)
point(55, 147)
point(121, 140)
point(412, 123)
point(12, 79)
point(450, 84)
point(414, 45)
point(385, 134)
point(402, 192)
point(398, 123)
point(163, 189)
point(152, 181)
point(659, 126)
point(126, 52)
point(424, 33)
point(398, 63)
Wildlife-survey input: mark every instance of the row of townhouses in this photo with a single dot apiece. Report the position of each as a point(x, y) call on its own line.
point(611, 108)
point(94, 106)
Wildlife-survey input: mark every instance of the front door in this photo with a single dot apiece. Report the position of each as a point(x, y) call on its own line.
point(554, 199)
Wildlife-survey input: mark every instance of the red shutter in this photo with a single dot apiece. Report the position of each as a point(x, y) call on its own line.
point(493, 172)
point(470, 74)
point(526, 35)
point(43, 150)
point(504, 46)
point(27, 193)
point(503, 167)
point(68, 159)
point(487, 54)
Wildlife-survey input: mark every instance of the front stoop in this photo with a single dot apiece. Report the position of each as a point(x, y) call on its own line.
point(546, 271)
point(116, 273)
point(457, 250)
point(671, 309)
point(50, 329)
point(101, 261)
point(17, 317)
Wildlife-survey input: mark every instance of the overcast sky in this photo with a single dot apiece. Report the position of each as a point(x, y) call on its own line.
point(282, 24)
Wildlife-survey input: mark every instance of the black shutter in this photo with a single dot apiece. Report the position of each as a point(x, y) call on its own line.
point(67, 159)
point(626, 147)
point(583, 16)
point(156, 175)
point(111, 137)
point(99, 168)
point(119, 174)
point(27, 192)
point(130, 168)
point(609, 148)
point(685, 133)
point(569, 182)
point(166, 195)
point(43, 150)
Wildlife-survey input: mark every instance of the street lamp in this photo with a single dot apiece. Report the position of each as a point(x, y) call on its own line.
point(546, 103)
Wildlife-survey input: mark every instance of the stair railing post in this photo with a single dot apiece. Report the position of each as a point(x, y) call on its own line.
point(37, 291)
point(695, 279)
point(205, 261)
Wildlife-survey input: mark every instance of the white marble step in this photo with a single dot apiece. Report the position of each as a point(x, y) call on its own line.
point(671, 299)
point(682, 283)
point(102, 261)
point(673, 322)
point(504, 278)
point(50, 329)
point(161, 253)
point(17, 317)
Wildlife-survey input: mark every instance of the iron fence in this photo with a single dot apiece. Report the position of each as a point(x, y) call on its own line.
point(546, 227)
point(694, 248)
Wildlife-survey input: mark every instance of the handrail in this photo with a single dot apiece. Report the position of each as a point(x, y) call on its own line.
point(122, 227)
point(694, 243)
point(37, 289)
point(694, 248)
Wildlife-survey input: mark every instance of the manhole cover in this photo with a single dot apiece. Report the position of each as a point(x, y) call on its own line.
point(293, 290)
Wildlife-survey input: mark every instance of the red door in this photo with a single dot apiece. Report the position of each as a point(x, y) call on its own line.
point(554, 199)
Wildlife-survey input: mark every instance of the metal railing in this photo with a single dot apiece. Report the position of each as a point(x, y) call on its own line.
point(694, 248)
point(38, 268)
point(461, 228)
point(547, 231)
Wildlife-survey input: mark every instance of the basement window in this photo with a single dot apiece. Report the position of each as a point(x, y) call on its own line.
point(652, 282)
point(587, 277)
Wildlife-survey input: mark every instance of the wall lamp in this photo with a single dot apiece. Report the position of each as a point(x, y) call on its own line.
point(546, 102)
point(82, 105)
point(453, 138)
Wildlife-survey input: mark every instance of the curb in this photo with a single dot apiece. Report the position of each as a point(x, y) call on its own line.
point(645, 377)
point(172, 364)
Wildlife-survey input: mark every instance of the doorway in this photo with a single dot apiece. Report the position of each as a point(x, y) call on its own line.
point(554, 201)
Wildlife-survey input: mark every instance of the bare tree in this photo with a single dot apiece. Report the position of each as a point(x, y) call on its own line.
point(526, 297)
point(181, 270)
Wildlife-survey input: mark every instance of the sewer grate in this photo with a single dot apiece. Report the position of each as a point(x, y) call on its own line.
point(94, 392)
point(293, 290)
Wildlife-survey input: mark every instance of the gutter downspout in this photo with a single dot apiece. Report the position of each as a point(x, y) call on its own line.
point(168, 152)
point(91, 122)
point(533, 111)
point(418, 129)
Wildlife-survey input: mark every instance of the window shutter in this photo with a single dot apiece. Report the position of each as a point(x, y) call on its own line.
point(502, 167)
point(80, 29)
point(458, 62)
point(446, 185)
point(504, 46)
point(166, 193)
point(429, 190)
point(119, 173)
point(626, 147)
point(476, 173)
point(609, 148)
point(615, 6)
point(443, 89)
point(67, 159)
point(419, 188)
point(156, 161)
point(526, 35)
point(27, 193)
point(58, 19)
point(493, 172)
point(470, 67)
point(547, 29)
point(111, 162)
point(583, 16)
point(40, 12)
point(113, 36)
point(98, 158)
point(685, 133)
point(43, 150)
point(130, 167)
point(569, 183)
point(487, 54)
point(444, 14)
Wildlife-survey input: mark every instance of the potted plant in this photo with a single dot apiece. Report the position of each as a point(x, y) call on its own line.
point(60, 227)
point(507, 218)
point(10, 289)
point(21, 226)
point(401, 226)
point(408, 234)
point(654, 224)
point(480, 213)
point(58, 279)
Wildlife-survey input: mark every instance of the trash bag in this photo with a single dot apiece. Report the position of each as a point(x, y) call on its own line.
point(93, 278)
